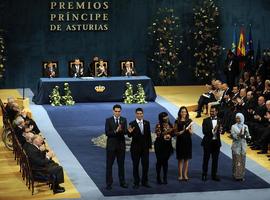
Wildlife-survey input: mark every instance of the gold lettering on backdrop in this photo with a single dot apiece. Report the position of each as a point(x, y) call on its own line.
point(79, 16)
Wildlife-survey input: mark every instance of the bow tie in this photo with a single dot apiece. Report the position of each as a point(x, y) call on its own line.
point(213, 118)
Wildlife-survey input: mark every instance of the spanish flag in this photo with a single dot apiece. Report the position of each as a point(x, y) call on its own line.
point(241, 50)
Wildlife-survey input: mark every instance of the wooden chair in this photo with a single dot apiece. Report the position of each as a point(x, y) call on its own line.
point(98, 71)
point(123, 65)
point(72, 63)
point(45, 66)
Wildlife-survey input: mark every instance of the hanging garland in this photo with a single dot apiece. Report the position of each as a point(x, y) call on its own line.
point(206, 36)
point(2, 56)
point(165, 34)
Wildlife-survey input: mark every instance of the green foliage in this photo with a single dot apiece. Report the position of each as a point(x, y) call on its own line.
point(128, 95)
point(138, 97)
point(167, 40)
point(57, 100)
point(55, 97)
point(206, 37)
point(67, 99)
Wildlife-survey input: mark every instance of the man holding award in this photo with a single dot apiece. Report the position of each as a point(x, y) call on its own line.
point(212, 129)
point(115, 128)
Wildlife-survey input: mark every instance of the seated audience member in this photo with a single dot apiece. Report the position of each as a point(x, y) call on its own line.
point(265, 138)
point(252, 86)
point(218, 94)
point(101, 69)
point(50, 70)
point(30, 122)
point(246, 78)
point(77, 69)
point(28, 138)
point(206, 97)
point(40, 160)
point(256, 121)
point(128, 69)
point(260, 86)
point(19, 129)
point(240, 101)
point(8, 106)
point(266, 92)
point(13, 111)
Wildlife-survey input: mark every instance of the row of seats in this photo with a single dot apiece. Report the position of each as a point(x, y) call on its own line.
point(78, 68)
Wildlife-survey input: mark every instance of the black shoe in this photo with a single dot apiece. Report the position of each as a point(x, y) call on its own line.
point(262, 152)
point(136, 186)
point(60, 188)
point(268, 156)
point(215, 178)
point(204, 177)
point(255, 148)
point(124, 185)
point(198, 115)
point(55, 191)
point(165, 181)
point(159, 181)
point(108, 187)
point(146, 185)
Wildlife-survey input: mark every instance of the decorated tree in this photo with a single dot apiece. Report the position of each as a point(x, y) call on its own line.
point(140, 95)
point(67, 99)
point(2, 56)
point(55, 97)
point(128, 95)
point(166, 43)
point(206, 38)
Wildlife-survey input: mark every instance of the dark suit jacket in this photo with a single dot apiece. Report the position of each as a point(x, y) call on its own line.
point(73, 71)
point(207, 131)
point(115, 140)
point(37, 158)
point(140, 140)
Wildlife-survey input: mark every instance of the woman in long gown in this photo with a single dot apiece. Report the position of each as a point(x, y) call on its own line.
point(183, 127)
point(163, 145)
point(240, 133)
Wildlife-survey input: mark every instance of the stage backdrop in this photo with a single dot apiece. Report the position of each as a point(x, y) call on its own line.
point(124, 35)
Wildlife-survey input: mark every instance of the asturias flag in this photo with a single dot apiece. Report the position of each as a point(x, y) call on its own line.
point(234, 48)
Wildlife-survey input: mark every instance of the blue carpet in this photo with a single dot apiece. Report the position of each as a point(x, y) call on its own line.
point(78, 124)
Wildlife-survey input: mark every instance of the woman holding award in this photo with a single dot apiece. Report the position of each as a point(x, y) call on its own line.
point(239, 133)
point(183, 127)
point(163, 145)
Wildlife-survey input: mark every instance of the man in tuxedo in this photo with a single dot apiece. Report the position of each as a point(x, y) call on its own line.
point(139, 130)
point(212, 129)
point(40, 159)
point(77, 69)
point(116, 129)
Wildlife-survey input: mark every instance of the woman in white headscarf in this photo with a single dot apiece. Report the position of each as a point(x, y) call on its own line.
point(239, 133)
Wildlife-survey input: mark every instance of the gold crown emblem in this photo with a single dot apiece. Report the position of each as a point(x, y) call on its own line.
point(100, 88)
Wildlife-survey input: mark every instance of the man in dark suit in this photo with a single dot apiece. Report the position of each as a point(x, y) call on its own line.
point(212, 129)
point(139, 130)
point(40, 160)
point(116, 129)
point(77, 69)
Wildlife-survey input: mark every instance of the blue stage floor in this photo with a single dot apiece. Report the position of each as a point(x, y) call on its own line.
point(78, 124)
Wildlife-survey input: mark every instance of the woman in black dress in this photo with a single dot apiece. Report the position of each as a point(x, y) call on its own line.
point(163, 145)
point(183, 142)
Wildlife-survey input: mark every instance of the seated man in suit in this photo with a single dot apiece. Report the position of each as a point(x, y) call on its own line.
point(40, 160)
point(77, 69)
point(128, 69)
point(50, 70)
point(101, 69)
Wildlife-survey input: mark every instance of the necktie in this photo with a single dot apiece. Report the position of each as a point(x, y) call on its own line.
point(117, 122)
point(141, 126)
